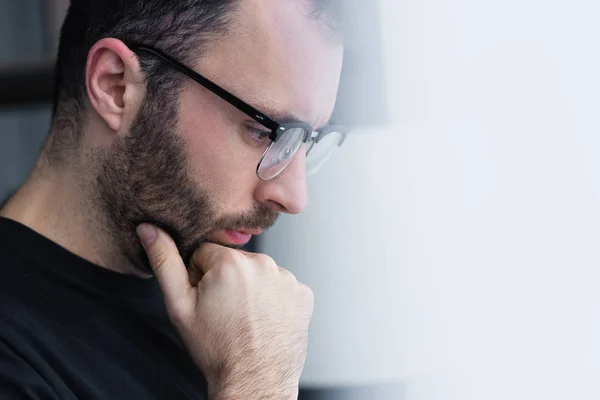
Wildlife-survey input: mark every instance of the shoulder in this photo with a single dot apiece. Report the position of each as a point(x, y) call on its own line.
point(18, 378)
point(20, 331)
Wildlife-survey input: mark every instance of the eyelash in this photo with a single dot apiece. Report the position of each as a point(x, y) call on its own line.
point(263, 136)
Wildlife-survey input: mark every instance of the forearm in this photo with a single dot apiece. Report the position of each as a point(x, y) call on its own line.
point(253, 389)
point(260, 394)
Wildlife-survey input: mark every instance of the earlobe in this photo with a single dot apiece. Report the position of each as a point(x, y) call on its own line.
point(108, 78)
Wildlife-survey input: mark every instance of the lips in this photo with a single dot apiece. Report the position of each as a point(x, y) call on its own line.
point(234, 237)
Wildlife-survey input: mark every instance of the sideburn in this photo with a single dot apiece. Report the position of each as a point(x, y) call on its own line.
point(144, 179)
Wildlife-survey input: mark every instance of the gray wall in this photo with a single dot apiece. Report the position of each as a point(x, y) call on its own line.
point(22, 130)
point(361, 102)
point(21, 135)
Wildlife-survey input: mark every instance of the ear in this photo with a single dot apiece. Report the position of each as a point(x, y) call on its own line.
point(114, 83)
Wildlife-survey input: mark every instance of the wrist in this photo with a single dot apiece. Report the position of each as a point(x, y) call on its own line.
point(252, 389)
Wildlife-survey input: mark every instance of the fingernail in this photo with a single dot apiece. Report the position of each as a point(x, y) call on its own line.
point(147, 234)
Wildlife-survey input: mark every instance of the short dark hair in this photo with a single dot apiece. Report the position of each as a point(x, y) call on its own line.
point(181, 28)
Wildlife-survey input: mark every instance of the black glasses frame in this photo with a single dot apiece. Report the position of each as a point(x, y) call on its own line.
point(277, 129)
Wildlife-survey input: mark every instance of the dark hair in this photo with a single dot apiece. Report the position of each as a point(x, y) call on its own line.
point(181, 28)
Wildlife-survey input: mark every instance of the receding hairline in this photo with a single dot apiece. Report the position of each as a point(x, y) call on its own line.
point(70, 94)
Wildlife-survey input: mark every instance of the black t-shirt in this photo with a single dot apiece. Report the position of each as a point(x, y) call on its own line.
point(72, 330)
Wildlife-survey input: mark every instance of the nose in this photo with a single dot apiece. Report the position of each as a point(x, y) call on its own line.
point(286, 192)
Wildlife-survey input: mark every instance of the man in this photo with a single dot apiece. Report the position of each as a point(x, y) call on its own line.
point(180, 129)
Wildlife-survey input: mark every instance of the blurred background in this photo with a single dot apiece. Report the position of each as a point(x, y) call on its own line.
point(28, 43)
point(452, 244)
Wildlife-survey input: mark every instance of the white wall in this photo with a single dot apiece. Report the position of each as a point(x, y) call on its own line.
point(458, 250)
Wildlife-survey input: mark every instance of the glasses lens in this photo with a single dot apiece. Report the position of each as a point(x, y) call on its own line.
point(281, 153)
point(321, 151)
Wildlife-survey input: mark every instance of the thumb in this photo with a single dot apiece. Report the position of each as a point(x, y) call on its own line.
point(168, 267)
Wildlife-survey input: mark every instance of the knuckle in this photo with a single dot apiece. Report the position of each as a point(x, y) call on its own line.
point(307, 292)
point(230, 264)
point(225, 270)
point(206, 253)
point(288, 275)
point(231, 257)
point(265, 261)
point(220, 262)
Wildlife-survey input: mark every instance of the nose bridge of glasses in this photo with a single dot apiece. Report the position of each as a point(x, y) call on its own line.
point(310, 141)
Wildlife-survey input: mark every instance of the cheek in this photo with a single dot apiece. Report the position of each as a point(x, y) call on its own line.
point(218, 162)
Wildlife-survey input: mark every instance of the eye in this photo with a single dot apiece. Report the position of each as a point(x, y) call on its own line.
point(259, 137)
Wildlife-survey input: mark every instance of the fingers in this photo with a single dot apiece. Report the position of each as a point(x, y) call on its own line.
point(210, 255)
point(168, 268)
point(217, 258)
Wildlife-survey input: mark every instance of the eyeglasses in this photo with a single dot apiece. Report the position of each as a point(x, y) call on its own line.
point(286, 138)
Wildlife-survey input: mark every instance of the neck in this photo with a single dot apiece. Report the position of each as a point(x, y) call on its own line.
point(58, 203)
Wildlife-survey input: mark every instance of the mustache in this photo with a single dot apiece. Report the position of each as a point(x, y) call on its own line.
point(260, 218)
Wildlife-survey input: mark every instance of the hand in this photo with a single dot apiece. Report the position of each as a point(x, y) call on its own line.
point(245, 323)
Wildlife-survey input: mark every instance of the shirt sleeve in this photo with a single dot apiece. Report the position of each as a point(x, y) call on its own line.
point(19, 380)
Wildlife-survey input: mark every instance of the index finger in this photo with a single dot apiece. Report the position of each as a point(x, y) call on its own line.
point(209, 255)
point(167, 265)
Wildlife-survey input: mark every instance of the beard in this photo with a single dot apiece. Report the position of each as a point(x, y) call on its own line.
point(144, 178)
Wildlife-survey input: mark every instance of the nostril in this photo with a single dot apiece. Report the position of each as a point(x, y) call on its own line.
point(276, 206)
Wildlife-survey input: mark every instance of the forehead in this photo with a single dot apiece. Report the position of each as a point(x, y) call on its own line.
point(278, 58)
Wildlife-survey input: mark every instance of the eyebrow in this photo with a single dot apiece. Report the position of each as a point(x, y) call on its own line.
point(285, 117)
point(278, 115)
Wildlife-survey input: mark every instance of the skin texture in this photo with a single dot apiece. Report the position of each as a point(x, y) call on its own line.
point(245, 323)
point(184, 163)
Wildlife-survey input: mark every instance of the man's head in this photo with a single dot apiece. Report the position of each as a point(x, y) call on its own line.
point(167, 150)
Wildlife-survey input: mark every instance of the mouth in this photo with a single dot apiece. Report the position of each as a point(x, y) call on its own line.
point(234, 237)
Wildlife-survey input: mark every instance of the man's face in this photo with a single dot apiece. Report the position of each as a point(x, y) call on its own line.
point(191, 168)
